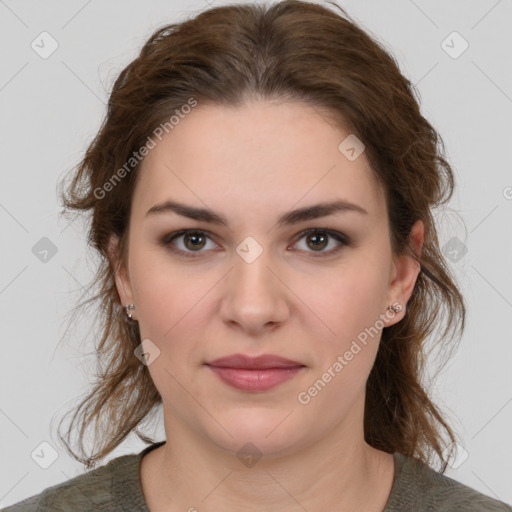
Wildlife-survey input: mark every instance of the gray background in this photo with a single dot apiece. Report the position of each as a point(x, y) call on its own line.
point(50, 110)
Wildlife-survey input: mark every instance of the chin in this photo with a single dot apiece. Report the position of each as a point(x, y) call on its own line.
point(264, 431)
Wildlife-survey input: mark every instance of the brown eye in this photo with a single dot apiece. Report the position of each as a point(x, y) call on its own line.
point(317, 241)
point(189, 243)
point(194, 240)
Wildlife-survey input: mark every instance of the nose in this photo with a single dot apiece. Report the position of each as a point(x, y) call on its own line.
point(255, 296)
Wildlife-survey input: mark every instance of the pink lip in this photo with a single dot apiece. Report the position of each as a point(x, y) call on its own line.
point(254, 373)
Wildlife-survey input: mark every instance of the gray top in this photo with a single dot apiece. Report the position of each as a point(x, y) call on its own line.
point(116, 486)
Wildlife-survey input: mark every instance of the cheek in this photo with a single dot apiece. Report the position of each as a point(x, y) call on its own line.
point(173, 316)
point(348, 338)
point(345, 301)
point(166, 294)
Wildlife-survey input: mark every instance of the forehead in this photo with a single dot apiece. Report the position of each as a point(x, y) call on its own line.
point(264, 157)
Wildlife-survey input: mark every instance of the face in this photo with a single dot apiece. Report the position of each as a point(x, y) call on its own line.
point(255, 285)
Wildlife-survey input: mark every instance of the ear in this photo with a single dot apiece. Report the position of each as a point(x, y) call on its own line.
point(405, 271)
point(123, 284)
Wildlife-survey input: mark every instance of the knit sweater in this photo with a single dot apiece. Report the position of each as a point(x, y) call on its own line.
point(116, 486)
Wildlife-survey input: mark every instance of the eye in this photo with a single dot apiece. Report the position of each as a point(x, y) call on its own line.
point(193, 241)
point(318, 239)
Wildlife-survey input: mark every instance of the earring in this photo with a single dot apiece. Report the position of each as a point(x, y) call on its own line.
point(394, 308)
point(127, 308)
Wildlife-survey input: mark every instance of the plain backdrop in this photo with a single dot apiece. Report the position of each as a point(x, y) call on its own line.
point(52, 107)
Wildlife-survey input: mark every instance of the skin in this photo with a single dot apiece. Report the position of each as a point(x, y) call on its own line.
point(252, 164)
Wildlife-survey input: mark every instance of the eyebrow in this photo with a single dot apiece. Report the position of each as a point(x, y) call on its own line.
point(289, 218)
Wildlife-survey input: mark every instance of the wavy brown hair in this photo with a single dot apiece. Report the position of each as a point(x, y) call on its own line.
point(291, 50)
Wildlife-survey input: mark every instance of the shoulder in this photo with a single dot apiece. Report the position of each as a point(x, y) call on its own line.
point(419, 487)
point(90, 491)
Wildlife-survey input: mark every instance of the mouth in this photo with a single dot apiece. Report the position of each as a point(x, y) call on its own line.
point(254, 373)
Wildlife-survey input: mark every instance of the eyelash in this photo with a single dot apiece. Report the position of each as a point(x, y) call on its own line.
point(343, 240)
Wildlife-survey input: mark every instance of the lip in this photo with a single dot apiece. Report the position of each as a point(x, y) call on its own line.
point(263, 362)
point(254, 373)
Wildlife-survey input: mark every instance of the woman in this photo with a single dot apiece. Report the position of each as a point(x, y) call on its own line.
point(261, 195)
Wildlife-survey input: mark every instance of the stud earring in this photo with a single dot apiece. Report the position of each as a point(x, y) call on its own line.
point(394, 308)
point(128, 308)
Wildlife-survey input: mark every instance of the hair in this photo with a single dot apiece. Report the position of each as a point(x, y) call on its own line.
point(288, 51)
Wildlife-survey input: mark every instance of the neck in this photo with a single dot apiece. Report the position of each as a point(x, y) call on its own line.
point(335, 473)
